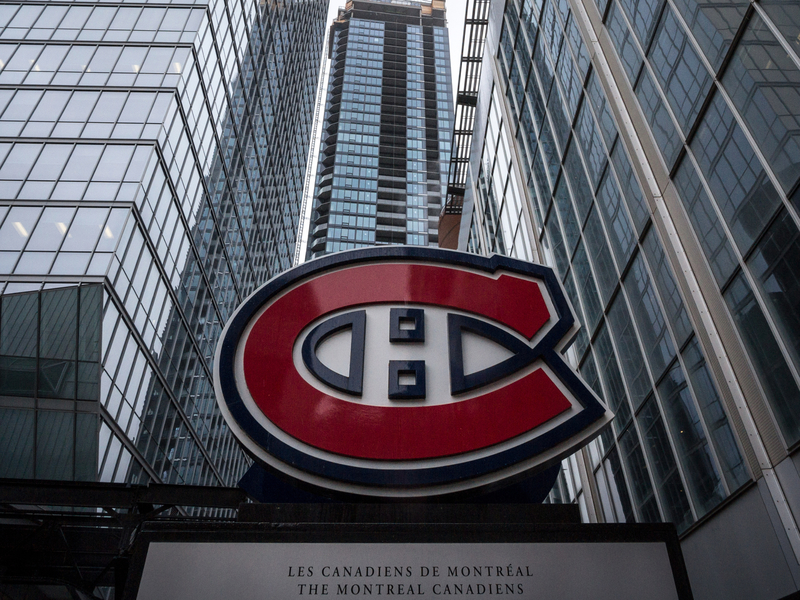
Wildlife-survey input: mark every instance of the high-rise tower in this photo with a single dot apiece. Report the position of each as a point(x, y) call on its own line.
point(648, 152)
point(385, 151)
point(151, 178)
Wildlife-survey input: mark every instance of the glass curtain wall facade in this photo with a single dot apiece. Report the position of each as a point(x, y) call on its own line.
point(648, 151)
point(151, 171)
point(385, 149)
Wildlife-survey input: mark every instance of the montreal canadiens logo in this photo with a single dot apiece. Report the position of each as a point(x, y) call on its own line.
point(405, 372)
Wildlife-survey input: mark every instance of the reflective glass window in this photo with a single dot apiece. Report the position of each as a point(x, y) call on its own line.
point(776, 378)
point(730, 457)
point(691, 444)
point(678, 68)
point(19, 161)
point(661, 124)
point(16, 440)
point(665, 469)
point(630, 188)
point(785, 14)
point(649, 317)
point(568, 220)
point(764, 84)
point(600, 104)
point(51, 105)
point(667, 288)
point(553, 232)
point(643, 15)
point(51, 229)
point(77, 59)
point(622, 38)
point(775, 265)
point(713, 23)
point(18, 226)
point(581, 191)
point(620, 231)
point(616, 396)
point(85, 229)
point(630, 353)
point(591, 144)
point(586, 285)
point(741, 188)
point(707, 226)
point(618, 487)
point(601, 257)
point(22, 104)
point(641, 486)
point(50, 162)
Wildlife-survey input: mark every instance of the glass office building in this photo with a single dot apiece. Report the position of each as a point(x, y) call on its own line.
point(151, 170)
point(385, 148)
point(648, 151)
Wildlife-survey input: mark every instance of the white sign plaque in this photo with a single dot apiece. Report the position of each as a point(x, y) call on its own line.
point(295, 571)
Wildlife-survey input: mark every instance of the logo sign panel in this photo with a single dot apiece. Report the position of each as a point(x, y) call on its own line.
point(405, 372)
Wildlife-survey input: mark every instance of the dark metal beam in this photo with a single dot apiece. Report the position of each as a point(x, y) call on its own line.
point(116, 495)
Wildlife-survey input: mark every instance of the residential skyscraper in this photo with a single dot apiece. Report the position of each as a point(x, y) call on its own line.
point(648, 152)
point(152, 169)
point(385, 151)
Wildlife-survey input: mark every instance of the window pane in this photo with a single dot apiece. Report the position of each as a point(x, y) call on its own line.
point(630, 188)
point(49, 109)
point(707, 226)
point(51, 229)
point(661, 123)
point(50, 162)
point(55, 445)
point(690, 440)
point(80, 107)
point(85, 229)
point(622, 38)
point(601, 257)
point(19, 161)
point(16, 443)
point(667, 288)
point(58, 332)
point(682, 76)
point(77, 59)
point(730, 457)
point(19, 325)
point(18, 226)
point(630, 354)
point(764, 84)
point(556, 243)
point(587, 288)
point(740, 186)
point(90, 322)
point(649, 317)
point(568, 220)
point(642, 15)
point(620, 230)
point(19, 109)
point(612, 378)
point(638, 475)
point(786, 16)
point(665, 469)
point(776, 378)
point(581, 191)
point(86, 437)
point(619, 489)
point(775, 265)
point(82, 163)
point(713, 23)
